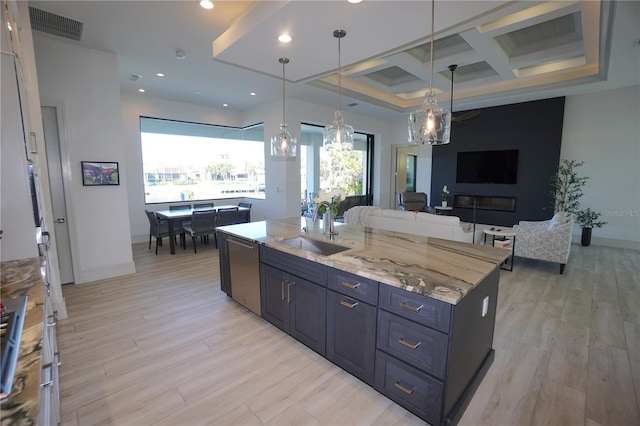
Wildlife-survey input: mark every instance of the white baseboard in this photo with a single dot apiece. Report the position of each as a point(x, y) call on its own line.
point(609, 242)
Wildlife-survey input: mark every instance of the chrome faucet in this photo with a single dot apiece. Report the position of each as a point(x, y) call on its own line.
point(329, 213)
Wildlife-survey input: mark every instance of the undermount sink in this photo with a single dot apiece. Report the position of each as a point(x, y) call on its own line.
point(315, 246)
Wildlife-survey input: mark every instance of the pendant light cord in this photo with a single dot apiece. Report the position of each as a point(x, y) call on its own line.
point(283, 119)
point(339, 85)
point(283, 61)
point(433, 9)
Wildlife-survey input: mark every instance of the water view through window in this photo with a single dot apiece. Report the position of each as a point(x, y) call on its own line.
point(191, 161)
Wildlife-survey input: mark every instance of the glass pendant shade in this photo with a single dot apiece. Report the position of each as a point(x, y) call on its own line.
point(431, 124)
point(283, 144)
point(338, 136)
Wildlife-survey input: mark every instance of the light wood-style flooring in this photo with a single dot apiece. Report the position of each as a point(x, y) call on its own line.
point(165, 346)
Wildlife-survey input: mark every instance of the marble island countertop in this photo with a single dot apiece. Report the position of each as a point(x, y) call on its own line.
point(441, 269)
point(24, 278)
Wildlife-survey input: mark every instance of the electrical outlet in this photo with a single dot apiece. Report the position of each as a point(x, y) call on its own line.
point(485, 306)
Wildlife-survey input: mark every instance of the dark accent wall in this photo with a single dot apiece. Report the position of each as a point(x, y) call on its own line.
point(535, 129)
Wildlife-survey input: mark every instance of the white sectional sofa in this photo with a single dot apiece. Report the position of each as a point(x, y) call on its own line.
point(414, 223)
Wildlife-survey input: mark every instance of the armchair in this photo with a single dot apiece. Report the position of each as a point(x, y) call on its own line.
point(548, 240)
point(413, 201)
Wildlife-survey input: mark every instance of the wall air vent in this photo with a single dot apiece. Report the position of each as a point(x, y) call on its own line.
point(57, 25)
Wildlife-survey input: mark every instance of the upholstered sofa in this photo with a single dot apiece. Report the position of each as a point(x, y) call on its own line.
point(410, 222)
point(548, 240)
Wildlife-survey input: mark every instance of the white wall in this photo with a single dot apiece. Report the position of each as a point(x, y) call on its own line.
point(133, 106)
point(85, 82)
point(603, 130)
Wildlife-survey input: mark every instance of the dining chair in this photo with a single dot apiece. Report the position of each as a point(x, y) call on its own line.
point(178, 228)
point(247, 205)
point(202, 224)
point(226, 216)
point(203, 206)
point(180, 207)
point(157, 228)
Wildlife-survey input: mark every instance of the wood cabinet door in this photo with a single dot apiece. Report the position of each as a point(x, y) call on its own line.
point(308, 312)
point(275, 307)
point(351, 335)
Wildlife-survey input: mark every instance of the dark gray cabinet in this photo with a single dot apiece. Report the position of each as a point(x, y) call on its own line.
point(431, 356)
point(351, 323)
point(292, 303)
point(223, 255)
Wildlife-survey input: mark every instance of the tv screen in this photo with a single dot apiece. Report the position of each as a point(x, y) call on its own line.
point(487, 166)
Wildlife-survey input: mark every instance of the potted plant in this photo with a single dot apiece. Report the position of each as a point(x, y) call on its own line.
point(445, 193)
point(588, 219)
point(566, 187)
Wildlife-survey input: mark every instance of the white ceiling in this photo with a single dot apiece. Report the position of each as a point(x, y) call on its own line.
point(506, 51)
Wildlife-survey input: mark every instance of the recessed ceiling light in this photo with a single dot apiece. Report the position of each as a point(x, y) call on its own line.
point(159, 74)
point(206, 4)
point(225, 105)
point(141, 90)
point(197, 92)
point(354, 1)
point(252, 93)
point(180, 54)
point(134, 77)
point(284, 38)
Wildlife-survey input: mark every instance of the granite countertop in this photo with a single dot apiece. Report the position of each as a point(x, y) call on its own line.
point(441, 269)
point(24, 278)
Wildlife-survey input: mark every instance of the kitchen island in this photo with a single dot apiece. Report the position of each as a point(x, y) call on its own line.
point(411, 316)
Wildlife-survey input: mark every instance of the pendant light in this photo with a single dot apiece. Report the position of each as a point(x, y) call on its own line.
point(338, 136)
point(430, 124)
point(283, 144)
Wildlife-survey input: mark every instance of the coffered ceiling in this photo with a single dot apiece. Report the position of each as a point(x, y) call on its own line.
point(506, 51)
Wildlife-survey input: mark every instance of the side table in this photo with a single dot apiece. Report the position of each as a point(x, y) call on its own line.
point(498, 234)
point(443, 210)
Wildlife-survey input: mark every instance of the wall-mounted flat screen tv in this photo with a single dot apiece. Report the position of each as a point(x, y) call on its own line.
point(487, 166)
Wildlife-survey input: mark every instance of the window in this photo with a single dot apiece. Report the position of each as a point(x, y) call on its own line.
point(191, 161)
point(322, 169)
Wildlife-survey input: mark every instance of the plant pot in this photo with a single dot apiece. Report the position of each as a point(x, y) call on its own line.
point(586, 236)
point(444, 204)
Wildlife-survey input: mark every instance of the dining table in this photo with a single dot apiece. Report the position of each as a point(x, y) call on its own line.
point(173, 216)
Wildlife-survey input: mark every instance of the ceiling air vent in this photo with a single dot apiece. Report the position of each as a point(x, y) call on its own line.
point(57, 25)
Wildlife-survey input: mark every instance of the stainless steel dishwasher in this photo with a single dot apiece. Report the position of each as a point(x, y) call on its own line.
point(244, 269)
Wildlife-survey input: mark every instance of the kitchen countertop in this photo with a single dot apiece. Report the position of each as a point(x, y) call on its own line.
point(23, 278)
point(441, 269)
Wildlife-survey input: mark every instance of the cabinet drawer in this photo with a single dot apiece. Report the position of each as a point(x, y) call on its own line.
point(295, 265)
point(418, 308)
point(354, 286)
point(409, 387)
point(420, 346)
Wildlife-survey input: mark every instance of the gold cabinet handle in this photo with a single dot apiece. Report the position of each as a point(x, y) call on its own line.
point(348, 304)
point(350, 286)
point(403, 388)
point(411, 308)
point(282, 290)
point(409, 345)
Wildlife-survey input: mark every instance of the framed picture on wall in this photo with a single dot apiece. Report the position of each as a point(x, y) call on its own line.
point(100, 173)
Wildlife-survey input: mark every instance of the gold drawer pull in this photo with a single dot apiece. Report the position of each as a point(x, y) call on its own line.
point(403, 388)
point(348, 304)
point(409, 345)
point(408, 307)
point(350, 286)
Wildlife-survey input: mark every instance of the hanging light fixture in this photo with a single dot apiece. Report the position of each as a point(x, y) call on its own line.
point(430, 124)
point(283, 144)
point(339, 135)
